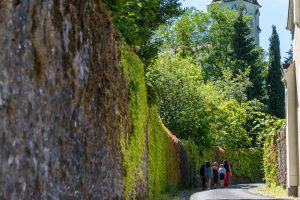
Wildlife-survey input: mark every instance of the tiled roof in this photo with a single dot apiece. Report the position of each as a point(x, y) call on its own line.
point(250, 1)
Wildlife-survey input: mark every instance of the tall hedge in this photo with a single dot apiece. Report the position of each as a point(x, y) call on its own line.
point(157, 154)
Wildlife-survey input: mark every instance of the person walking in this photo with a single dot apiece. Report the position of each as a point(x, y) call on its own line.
point(202, 176)
point(228, 173)
point(215, 174)
point(222, 175)
point(208, 174)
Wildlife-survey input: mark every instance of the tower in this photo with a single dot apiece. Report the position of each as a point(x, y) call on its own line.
point(251, 8)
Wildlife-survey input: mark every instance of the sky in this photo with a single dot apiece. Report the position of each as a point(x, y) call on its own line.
point(272, 12)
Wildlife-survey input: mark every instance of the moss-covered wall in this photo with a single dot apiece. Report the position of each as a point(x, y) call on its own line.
point(75, 121)
point(64, 103)
point(173, 162)
point(157, 154)
point(133, 145)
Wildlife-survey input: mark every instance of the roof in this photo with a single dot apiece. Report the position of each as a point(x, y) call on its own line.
point(255, 2)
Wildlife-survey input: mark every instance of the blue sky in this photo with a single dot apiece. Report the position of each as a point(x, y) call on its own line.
point(273, 12)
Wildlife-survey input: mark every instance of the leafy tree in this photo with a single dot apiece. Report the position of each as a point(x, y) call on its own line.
point(193, 109)
point(177, 83)
point(246, 54)
point(136, 20)
point(205, 37)
point(275, 86)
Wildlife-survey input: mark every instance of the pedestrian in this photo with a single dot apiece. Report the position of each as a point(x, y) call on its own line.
point(208, 174)
point(222, 175)
point(202, 176)
point(215, 174)
point(228, 173)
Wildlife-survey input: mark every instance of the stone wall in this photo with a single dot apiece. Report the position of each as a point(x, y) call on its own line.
point(73, 109)
point(63, 101)
point(281, 157)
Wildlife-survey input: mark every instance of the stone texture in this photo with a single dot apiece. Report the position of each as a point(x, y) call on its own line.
point(281, 157)
point(63, 101)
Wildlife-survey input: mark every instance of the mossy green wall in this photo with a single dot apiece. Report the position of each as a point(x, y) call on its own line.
point(149, 141)
point(173, 165)
point(133, 146)
point(157, 154)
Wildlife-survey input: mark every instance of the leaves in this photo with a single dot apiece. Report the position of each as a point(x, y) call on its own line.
point(136, 20)
point(193, 109)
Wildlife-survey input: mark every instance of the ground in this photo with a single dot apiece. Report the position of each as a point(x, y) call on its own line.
point(234, 192)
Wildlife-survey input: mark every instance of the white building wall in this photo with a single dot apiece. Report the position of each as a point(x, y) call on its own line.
point(294, 26)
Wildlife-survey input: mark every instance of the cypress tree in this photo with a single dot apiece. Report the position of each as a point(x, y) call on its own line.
point(246, 54)
point(275, 86)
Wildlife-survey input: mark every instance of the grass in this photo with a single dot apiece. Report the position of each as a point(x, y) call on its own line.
point(276, 192)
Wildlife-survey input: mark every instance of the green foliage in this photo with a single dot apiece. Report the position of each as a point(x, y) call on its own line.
point(245, 54)
point(205, 37)
point(137, 19)
point(173, 165)
point(192, 152)
point(266, 127)
point(275, 86)
point(180, 102)
point(246, 163)
point(192, 109)
point(289, 59)
point(157, 164)
point(218, 41)
point(133, 146)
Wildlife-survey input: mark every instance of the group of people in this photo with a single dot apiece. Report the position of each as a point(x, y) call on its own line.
point(213, 175)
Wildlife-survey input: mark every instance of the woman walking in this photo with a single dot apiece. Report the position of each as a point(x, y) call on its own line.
point(215, 174)
point(208, 174)
point(228, 173)
point(222, 174)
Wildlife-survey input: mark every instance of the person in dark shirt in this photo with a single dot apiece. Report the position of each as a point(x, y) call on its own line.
point(215, 174)
point(202, 175)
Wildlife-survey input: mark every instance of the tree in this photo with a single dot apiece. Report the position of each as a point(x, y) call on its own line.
point(193, 109)
point(205, 37)
point(246, 54)
point(289, 59)
point(275, 86)
point(177, 83)
point(136, 20)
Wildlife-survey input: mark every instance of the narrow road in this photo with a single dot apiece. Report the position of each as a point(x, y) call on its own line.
point(234, 192)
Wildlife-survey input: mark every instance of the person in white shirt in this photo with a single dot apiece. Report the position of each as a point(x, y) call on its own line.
point(222, 175)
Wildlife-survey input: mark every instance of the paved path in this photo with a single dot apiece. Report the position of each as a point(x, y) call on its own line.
point(234, 192)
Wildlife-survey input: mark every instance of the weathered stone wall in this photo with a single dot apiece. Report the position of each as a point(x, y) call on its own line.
point(63, 101)
point(73, 109)
point(281, 157)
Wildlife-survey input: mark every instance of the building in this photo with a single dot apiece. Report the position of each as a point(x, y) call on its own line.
point(292, 85)
point(251, 8)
